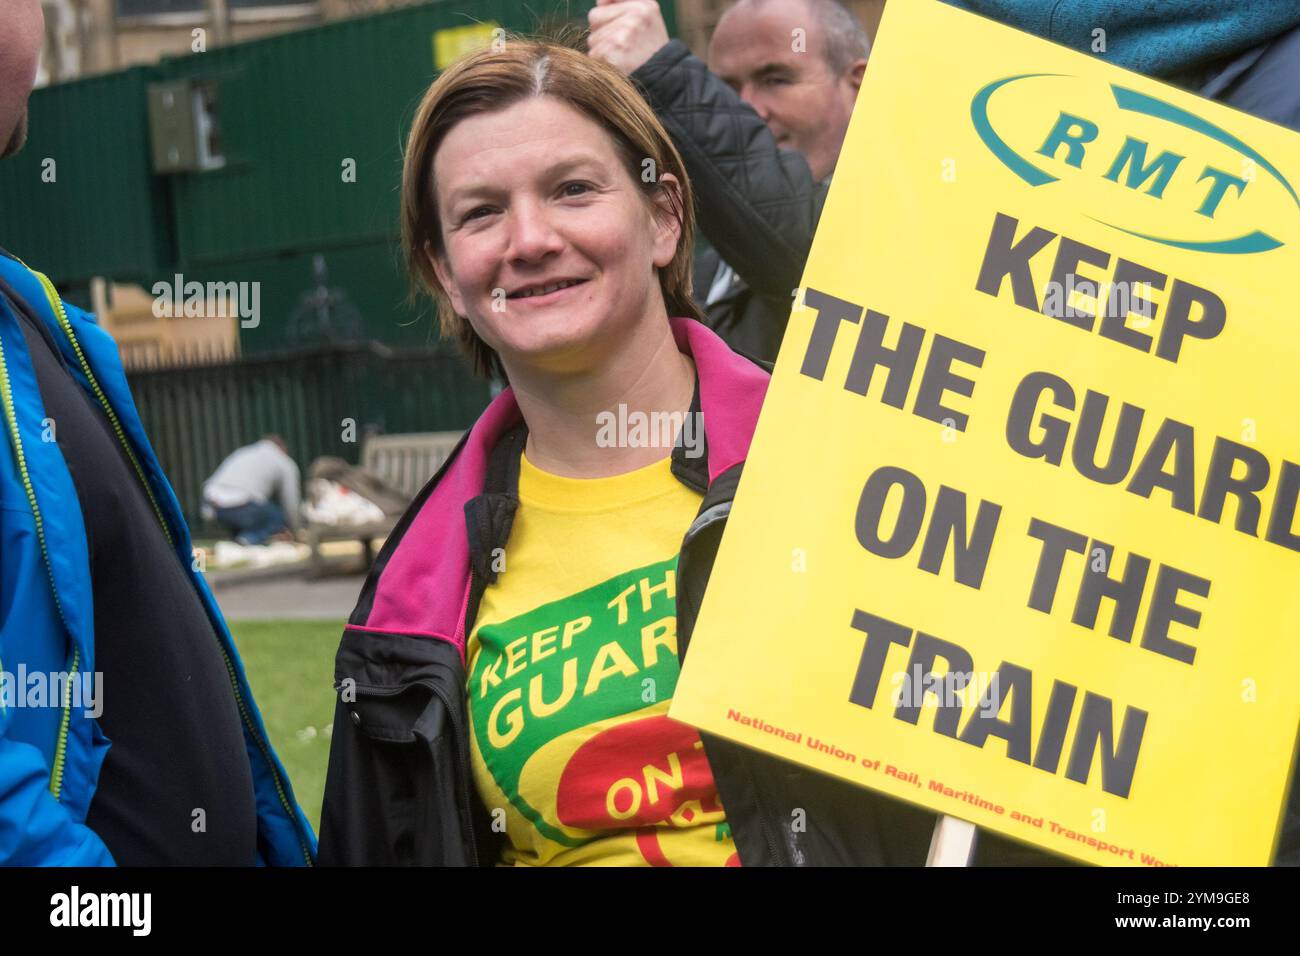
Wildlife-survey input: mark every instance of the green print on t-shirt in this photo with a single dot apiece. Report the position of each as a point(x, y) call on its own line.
point(600, 653)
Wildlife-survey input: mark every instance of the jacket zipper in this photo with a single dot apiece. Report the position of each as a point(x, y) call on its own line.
point(57, 305)
point(462, 759)
point(11, 421)
point(462, 734)
point(61, 748)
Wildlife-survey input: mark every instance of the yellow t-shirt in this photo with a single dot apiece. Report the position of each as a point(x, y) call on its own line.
point(572, 663)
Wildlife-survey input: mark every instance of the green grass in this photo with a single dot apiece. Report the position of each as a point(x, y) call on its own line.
point(290, 667)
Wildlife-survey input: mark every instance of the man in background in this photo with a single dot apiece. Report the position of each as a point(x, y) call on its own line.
point(255, 492)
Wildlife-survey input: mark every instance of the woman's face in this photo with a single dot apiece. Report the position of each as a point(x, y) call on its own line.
point(550, 249)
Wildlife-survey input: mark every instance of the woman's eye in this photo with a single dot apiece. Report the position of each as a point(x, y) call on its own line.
point(575, 188)
point(476, 213)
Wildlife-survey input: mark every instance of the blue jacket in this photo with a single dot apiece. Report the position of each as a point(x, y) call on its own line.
point(50, 756)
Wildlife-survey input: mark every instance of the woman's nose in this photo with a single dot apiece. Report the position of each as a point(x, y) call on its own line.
point(532, 235)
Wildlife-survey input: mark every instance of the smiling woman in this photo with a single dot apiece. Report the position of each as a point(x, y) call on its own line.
point(534, 141)
point(519, 631)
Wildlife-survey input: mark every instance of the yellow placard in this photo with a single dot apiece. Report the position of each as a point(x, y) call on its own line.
point(1016, 539)
point(451, 43)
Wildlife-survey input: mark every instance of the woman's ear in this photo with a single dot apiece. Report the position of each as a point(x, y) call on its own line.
point(442, 269)
point(667, 219)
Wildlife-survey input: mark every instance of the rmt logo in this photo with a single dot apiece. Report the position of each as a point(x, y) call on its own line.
point(1215, 189)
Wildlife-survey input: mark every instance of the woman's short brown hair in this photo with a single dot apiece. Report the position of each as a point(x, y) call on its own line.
point(498, 77)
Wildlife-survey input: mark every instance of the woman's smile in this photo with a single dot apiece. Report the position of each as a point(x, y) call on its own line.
point(544, 293)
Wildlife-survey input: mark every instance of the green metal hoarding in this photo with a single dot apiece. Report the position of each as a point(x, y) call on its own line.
point(80, 199)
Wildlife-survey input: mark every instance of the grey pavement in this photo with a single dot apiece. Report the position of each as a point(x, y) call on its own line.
point(289, 597)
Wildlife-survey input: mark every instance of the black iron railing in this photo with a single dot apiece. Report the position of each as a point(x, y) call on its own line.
point(323, 401)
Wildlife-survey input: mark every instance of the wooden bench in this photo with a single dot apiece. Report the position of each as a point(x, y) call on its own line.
point(405, 462)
